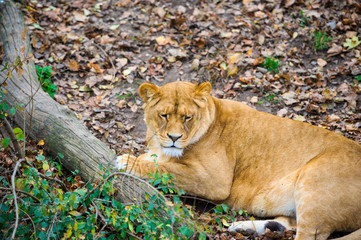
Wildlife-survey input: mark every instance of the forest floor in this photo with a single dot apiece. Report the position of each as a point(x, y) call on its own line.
point(101, 51)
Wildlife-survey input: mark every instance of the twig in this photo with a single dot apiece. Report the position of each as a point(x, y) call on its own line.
point(31, 220)
point(53, 179)
point(52, 224)
point(18, 151)
point(110, 60)
point(106, 224)
point(128, 175)
point(22, 192)
point(15, 198)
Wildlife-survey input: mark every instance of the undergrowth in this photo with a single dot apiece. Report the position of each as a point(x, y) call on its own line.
point(272, 64)
point(321, 41)
point(44, 77)
point(52, 211)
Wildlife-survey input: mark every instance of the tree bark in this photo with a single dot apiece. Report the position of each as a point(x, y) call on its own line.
point(43, 118)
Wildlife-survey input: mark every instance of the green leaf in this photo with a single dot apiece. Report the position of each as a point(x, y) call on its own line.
point(75, 213)
point(202, 236)
point(351, 42)
point(61, 155)
point(225, 208)
point(12, 111)
point(45, 165)
point(5, 142)
point(17, 131)
point(35, 25)
point(85, 88)
point(40, 157)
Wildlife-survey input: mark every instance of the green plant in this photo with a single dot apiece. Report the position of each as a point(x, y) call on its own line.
point(127, 97)
point(269, 97)
point(321, 40)
point(44, 76)
point(271, 64)
point(304, 19)
point(52, 211)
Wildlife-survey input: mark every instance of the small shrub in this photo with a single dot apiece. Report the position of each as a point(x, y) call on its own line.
point(271, 64)
point(44, 76)
point(304, 19)
point(92, 211)
point(321, 41)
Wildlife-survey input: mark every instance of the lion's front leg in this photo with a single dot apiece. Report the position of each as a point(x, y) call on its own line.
point(192, 178)
point(132, 164)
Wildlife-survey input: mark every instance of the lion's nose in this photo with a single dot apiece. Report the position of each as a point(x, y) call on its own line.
point(174, 138)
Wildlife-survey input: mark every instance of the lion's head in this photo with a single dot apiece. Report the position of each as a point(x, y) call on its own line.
point(177, 114)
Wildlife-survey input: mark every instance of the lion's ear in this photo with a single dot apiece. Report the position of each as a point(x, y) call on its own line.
point(203, 89)
point(147, 91)
point(201, 93)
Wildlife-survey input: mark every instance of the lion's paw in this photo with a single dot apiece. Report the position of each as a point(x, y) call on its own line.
point(259, 226)
point(123, 161)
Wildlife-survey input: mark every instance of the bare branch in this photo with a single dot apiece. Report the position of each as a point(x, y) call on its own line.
point(22, 192)
point(15, 198)
point(18, 151)
point(110, 60)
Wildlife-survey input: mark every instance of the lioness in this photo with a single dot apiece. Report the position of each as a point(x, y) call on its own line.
point(225, 151)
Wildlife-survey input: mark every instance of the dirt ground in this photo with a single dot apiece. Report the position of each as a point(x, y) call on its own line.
point(101, 51)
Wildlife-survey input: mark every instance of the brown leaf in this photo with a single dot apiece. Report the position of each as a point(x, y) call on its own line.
point(96, 67)
point(106, 39)
point(22, 49)
point(332, 118)
point(199, 42)
point(73, 66)
point(289, 3)
point(234, 58)
point(257, 61)
point(334, 50)
point(321, 62)
point(23, 35)
point(162, 41)
point(159, 11)
point(79, 17)
point(232, 70)
point(33, 42)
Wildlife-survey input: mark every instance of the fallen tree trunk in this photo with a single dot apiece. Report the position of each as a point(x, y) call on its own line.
point(45, 119)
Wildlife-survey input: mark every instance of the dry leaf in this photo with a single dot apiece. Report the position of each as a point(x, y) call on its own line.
point(258, 61)
point(73, 66)
point(321, 62)
point(232, 70)
point(162, 41)
point(334, 50)
point(195, 65)
point(23, 35)
point(96, 67)
point(234, 58)
point(79, 16)
point(332, 118)
point(33, 42)
point(159, 11)
point(199, 42)
point(106, 39)
point(289, 3)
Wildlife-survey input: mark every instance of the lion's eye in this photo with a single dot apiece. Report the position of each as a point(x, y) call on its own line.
point(164, 116)
point(187, 118)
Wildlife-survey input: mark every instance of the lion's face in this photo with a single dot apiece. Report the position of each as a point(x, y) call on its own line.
point(177, 114)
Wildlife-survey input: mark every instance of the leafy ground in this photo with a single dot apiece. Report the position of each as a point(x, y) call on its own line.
point(101, 51)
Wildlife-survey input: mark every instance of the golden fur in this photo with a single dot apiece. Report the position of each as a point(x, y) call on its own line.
point(228, 152)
